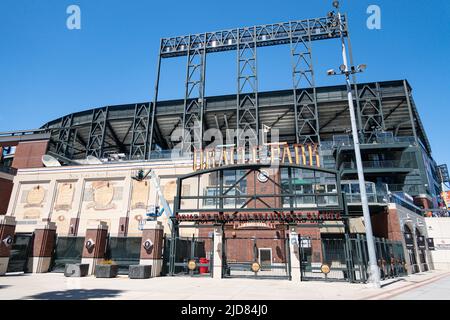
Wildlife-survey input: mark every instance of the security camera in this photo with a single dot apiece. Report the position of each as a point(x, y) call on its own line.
point(148, 244)
point(90, 244)
point(8, 241)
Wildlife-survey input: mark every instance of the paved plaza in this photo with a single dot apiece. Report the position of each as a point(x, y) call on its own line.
point(50, 286)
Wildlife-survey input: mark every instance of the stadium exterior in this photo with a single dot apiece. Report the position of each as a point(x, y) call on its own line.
point(234, 215)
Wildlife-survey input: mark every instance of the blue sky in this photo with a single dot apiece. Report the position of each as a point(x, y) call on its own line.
point(47, 71)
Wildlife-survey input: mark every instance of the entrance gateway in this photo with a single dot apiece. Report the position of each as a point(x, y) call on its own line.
point(243, 215)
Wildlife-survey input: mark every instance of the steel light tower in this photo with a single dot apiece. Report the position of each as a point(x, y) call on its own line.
point(345, 70)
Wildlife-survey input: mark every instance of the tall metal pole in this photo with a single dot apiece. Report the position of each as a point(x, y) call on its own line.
point(374, 275)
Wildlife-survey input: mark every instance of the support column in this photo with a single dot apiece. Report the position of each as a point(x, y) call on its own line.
point(42, 248)
point(218, 252)
point(152, 246)
point(294, 250)
point(94, 245)
point(7, 229)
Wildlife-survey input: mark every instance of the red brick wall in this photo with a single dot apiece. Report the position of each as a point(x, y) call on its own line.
point(240, 245)
point(387, 225)
point(43, 242)
point(5, 194)
point(29, 154)
point(5, 231)
point(99, 237)
point(156, 236)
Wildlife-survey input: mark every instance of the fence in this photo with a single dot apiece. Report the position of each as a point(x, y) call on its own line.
point(347, 258)
point(180, 252)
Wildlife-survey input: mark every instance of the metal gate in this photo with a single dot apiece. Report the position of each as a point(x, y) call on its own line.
point(20, 252)
point(67, 250)
point(256, 258)
point(192, 256)
point(348, 259)
point(315, 253)
point(124, 252)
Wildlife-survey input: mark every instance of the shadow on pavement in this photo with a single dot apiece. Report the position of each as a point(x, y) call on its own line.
point(392, 282)
point(3, 286)
point(76, 294)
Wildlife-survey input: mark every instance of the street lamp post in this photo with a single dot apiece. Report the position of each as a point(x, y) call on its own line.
point(374, 275)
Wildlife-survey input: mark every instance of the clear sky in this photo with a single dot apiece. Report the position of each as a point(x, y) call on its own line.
point(47, 70)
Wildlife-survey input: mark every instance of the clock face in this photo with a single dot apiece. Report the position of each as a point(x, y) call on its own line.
point(263, 176)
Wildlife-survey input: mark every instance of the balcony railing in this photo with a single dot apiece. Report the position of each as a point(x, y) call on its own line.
point(412, 189)
point(347, 141)
point(379, 164)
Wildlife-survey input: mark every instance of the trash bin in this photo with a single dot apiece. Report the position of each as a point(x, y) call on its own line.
point(202, 269)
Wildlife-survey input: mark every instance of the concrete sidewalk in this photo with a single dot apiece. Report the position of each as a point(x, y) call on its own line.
point(56, 286)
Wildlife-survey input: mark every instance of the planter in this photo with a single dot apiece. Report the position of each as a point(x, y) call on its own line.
point(140, 272)
point(76, 270)
point(106, 270)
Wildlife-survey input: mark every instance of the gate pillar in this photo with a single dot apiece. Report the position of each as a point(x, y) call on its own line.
point(94, 245)
point(294, 250)
point(7, 229)
point(152, 246)
point(218, 251)
point(42, 248)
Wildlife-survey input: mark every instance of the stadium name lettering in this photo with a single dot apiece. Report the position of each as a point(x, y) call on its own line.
point(272, 153)
point(262, 217)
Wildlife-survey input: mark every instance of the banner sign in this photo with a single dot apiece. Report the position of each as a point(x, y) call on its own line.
point(279, 217)
point(409, 240)
point(421, 242)
point(430, 243)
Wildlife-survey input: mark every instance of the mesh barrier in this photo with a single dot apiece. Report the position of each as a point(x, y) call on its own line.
point(19, 253)
point(124, 252)
point(68, 251)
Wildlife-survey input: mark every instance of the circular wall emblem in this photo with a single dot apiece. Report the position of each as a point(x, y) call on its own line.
point(325, 269)
point(192, 265)
point(263, 176)
point(256, 267)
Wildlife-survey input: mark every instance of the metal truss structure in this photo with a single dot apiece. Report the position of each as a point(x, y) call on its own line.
point(371, 112)
point(97, 132)
point(298, 34)
point(303, 114)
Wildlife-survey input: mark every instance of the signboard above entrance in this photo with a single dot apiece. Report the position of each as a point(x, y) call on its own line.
point(271, 153)
point(278, 217)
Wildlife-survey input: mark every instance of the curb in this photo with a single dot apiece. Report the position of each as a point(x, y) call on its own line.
point(394, 292)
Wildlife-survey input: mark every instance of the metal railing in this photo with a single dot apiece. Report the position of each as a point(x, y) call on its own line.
point(383, 164)
point(412, 189)
point(346, 140)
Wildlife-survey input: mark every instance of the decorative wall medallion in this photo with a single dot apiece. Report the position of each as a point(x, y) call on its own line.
point(61, 218)
point(169, 190)
point(65, 197)
point(139, 195)
point(35, 197)
point(103, 195)
point(138, 217)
